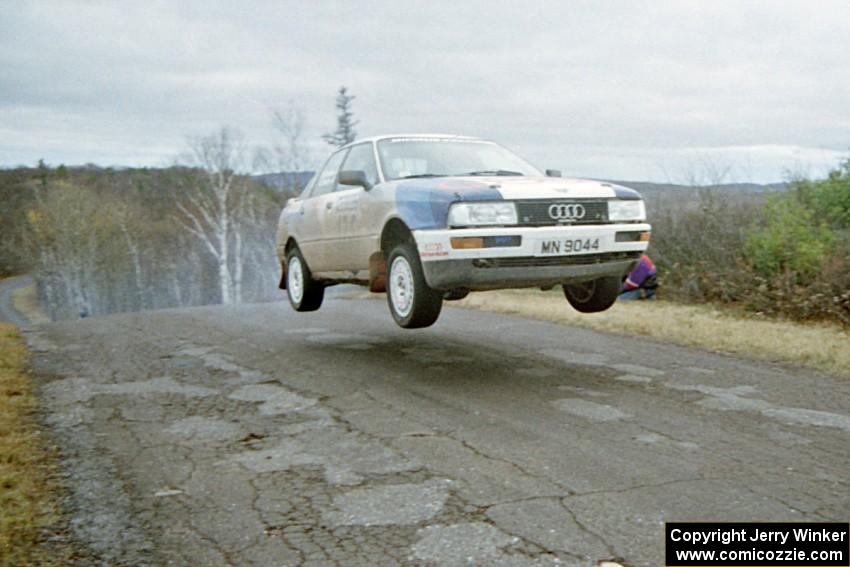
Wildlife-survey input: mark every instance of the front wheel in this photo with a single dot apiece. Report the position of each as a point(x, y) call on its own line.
point(412, 303)
point(593, 296)
point(305, 293)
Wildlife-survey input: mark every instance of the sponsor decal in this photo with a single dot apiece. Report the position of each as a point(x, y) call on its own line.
point(433, 250)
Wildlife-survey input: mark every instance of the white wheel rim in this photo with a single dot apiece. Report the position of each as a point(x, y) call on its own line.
point(401, 286)
point(295, 280)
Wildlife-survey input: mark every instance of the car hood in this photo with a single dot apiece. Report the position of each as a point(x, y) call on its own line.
point(513, 188)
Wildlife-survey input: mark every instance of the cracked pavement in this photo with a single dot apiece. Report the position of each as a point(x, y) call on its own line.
point(253, 435)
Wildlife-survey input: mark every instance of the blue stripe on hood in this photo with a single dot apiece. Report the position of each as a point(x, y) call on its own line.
point(424, 203)
point(625, 193)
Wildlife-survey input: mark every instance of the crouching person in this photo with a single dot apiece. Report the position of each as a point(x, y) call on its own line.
point(641, 282)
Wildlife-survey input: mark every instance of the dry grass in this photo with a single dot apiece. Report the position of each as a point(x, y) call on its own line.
point(27, 502)
point(25, 300)
point(822, 346)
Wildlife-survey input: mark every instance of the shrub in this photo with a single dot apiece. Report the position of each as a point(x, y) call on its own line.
point(788, 241)
point(828, 199)
point(699, 251)
point(787, 255)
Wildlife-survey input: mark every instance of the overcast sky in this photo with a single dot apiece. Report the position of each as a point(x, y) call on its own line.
point(617, 90)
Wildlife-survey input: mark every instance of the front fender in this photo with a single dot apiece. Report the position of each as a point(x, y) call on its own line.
point(288, 225)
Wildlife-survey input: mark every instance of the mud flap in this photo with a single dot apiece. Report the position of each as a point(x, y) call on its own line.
point(377, 272)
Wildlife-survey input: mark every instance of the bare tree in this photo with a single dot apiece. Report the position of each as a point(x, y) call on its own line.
point(291, 152)
point(129, 223)
point(212, 213)
point(702, 170)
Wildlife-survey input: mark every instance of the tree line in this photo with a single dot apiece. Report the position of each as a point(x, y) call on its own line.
point(103, 240)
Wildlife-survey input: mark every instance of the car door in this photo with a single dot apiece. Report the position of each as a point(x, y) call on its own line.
point(347, 226)
point(315, 239)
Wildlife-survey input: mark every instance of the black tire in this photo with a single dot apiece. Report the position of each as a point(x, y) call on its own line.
point(412, 303)
point(593, 296)
point(455, 294)
point(312, 293)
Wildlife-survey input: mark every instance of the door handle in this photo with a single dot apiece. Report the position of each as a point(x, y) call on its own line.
point(329, 205)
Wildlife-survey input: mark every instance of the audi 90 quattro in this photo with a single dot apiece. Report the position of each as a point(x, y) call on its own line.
point(428, 218)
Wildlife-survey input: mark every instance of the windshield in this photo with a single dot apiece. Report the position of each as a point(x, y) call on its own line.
point(437, 157)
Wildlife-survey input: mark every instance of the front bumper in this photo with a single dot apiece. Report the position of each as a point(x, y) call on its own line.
point(527, 265)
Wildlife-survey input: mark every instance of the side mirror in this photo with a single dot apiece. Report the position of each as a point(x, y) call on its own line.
point(354, 177)
point(553, 173)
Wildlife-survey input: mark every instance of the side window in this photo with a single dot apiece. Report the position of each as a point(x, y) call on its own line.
point(361, 157)
point(326, 180)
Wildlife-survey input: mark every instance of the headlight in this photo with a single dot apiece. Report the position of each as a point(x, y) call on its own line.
point(477, 214)
point(626, 210)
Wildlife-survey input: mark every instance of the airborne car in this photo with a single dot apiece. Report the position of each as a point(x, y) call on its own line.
point(428, 218)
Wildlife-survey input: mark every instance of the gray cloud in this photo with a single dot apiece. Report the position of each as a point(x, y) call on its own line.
point(614, 89)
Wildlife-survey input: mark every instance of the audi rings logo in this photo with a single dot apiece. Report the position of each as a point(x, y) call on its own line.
point(565, 211)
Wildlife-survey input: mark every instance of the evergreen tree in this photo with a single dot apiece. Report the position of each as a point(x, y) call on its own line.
point(345, 122)
point(43, 172)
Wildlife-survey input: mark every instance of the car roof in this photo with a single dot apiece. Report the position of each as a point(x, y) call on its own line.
point(429, 135)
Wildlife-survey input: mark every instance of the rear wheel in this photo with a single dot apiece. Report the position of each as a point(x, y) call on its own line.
point(305, 293)
point(412, 303)
point(594, 295)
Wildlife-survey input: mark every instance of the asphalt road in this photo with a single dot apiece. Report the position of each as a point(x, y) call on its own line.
point(8, 313)
point(255, 435)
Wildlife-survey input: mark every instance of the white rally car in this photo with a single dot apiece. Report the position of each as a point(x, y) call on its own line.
point(427, 218)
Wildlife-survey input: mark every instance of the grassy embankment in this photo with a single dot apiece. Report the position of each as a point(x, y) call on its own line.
point(28, 507)
point(822, 346)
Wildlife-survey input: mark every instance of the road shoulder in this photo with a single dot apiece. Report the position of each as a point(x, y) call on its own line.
point(32, 528)
point(817, 345)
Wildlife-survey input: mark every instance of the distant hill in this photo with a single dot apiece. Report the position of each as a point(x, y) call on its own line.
point(726, 187)
point(662, 195)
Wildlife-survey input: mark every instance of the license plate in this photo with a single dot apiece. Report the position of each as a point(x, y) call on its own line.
point(566, 246)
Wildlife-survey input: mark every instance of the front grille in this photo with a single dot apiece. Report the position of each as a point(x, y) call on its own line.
point(536, 212)
point(537, 262)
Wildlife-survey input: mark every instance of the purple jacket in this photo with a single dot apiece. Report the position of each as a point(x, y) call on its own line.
point(643, 271)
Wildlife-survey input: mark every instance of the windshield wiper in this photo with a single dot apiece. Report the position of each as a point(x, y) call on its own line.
point(420, 175)
point(505, 172)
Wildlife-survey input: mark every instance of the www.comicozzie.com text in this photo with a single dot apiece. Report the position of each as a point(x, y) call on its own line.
point(743, 534)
